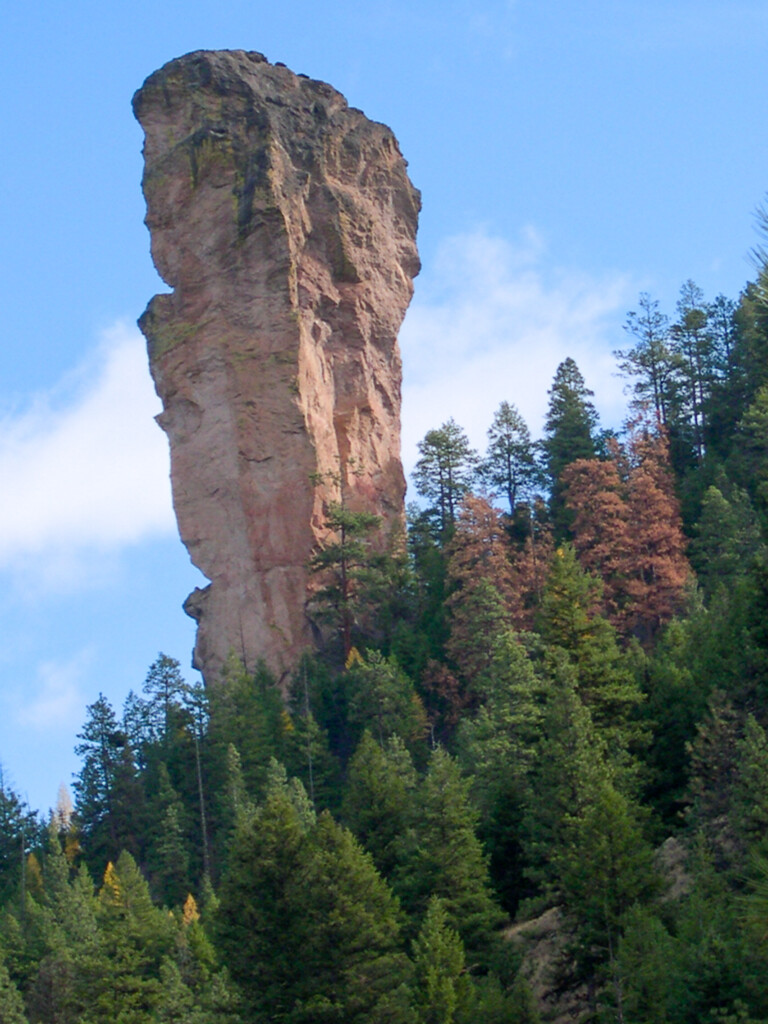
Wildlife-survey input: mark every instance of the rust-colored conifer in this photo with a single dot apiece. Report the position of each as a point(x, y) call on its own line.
point(627, 530)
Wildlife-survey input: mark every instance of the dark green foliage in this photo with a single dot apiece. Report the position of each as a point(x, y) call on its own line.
point(380, 697)
point(569, 434)
point(443, 989)
point(727, 539)
point(20, 832)
point(444, 473)
point(510, 467)
point(309, 929)
point(11, 1003)
point(109, 797)
point(448, 860)
point(569, 621)
point(567, 751)
point(604, 871)
point(380, 805)
point(347, 565)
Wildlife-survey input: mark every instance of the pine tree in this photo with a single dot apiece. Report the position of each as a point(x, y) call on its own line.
point(11, 1003)
point(658, 570)
point(342, 563)
point(569, 620)
point(309, 929)
point(444, 473)
point(134, 938)
point(352, 966)
point(605, 870)
point(510, 463)
point(442, 987)
point(627, 531)
point(165, 687)
point(380, 804)
point(727, 539)
point(20, 832)
point(382, 698)
point(259, 923)
point(449, 861)
point(569, 433)
point(479, 620)
point(650, 362)
point(693, 343)
point(748, 808)
point(497, 747)
point(570, 767)
point(602, 531)
point(481, 578)
point(109, 797)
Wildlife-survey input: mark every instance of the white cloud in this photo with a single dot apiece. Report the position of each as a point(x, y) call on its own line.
point(85, 469)
point(57, 699)
point(491, 324)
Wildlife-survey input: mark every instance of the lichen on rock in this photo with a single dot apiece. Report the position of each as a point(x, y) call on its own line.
point(284, 222)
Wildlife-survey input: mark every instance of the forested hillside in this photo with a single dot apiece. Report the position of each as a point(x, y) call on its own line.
point(527, 777)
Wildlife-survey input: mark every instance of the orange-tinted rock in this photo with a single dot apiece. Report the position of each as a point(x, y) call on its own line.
point(285, 223)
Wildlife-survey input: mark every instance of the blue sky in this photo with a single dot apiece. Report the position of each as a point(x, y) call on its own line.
point(569, 155)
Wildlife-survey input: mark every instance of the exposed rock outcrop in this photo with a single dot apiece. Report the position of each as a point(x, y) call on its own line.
point(285, 223)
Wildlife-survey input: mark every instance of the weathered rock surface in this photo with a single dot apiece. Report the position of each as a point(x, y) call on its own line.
point(285, 223)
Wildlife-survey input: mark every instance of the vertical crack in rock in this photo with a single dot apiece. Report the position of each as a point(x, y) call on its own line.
point(284, 222)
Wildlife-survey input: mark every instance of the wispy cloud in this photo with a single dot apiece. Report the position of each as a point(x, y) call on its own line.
point(85, 469)
point(491, 323)
point(56, 700)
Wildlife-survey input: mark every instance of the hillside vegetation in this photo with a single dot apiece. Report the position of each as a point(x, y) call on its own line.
point(548, 705)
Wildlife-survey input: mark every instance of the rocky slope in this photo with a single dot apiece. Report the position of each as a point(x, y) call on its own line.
point(284, 222)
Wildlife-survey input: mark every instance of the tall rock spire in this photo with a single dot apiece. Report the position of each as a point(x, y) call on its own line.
point(284, 222)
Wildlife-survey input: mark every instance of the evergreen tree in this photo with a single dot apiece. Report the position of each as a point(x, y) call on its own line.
point(448, 861)
point(170, 853)
point(569, 433)
point(479, 619)
point(165, 688)
point(748, 809)
point(658, 570)
point(11, 1003)
point(109, 798)
point(750, 458)
point(693, 344)
point(134, 938)
point(444, 473)
point(380, 800)
point(442, 986)
point(605, 870)
point(569, 621)
point(650, 361)
point(259, 926)
point(602, 529)
point(497, 747)
point(382, 698)
point(20, 832)
point(480, 574)
point(343, 562)
point(570, 767)
point(510, 462)
point(309, 929)
point(727, 539)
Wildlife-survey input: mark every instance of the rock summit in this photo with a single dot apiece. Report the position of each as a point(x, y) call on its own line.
point(284, 222)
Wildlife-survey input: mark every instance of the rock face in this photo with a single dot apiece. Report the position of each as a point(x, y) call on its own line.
point(285, 223)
